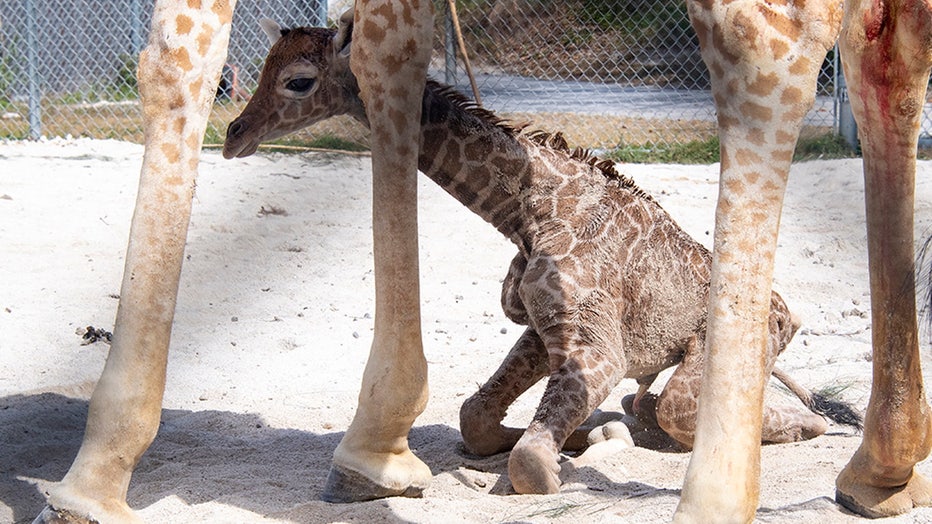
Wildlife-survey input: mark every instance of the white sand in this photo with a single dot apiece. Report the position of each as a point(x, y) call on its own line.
point(274, 323)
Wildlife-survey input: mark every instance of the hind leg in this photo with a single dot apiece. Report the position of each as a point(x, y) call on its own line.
point(481, 415)
point(678, 405)
point(784, 424)
point(679, 400)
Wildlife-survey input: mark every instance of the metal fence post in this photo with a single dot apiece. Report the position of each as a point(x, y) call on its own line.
point(136, 26)
point(845, 124)
point(449, 49)
point(320, 14)
point(32, 53)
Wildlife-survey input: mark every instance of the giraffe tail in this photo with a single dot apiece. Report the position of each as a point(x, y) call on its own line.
point(835, 410)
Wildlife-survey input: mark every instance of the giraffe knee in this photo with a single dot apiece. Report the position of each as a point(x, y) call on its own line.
point(676, 415)
point(481, 429)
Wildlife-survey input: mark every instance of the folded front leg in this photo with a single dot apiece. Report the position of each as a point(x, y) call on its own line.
point(579, 383)
point(482, 414)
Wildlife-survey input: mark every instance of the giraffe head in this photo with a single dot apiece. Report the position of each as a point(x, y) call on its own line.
point(306, 79)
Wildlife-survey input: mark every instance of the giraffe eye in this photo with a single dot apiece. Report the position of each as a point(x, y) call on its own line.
point(300, 85)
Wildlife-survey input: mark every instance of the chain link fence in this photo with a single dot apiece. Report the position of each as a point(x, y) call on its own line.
point(605, 72)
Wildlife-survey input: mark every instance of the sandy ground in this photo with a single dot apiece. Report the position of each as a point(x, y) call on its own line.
point(274, 323)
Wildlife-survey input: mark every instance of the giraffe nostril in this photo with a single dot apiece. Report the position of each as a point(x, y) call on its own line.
point(235, 129)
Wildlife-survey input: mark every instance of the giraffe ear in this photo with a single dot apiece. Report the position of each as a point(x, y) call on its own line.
point(272, 30)
point(344, 36)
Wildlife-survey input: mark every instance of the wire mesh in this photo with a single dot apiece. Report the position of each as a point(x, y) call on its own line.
point(604, 72)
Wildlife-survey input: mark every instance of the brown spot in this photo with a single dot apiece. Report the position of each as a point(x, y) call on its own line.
point(404, 150)
point(478, 151)
point(566, 207)
point(183, 24)
point(399, 93)
point(782, 155)
point(780, 22)
point(410, 47)
point(223, 11)
point(795, 113)
point(492, 202)
point(726, 121)
point(774, 189)
point(195, 87)
point(745, 245)
point(756, 111)
point(718, 43)
point(182, 59)
point(194, 4)
point(171, 152)
point(178, 125)
point(763, 85)
point(176, 101)
point(386, 11)
point(204, 38)
point(731, 88)
point(464, 193)
point(801, 66)
point(779, 48)
point(192, 141)
point(756, 136)
point(746, 157)
point(786, 138)
point(400, 121)
point(752, 177)
point(791, 95)
point(734, 186)
point(747, 28)
point(372, 32)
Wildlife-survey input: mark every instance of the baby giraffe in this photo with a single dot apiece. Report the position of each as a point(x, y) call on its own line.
point(608, 284)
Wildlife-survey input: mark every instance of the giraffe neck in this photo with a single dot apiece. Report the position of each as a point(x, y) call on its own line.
point(509, 179)
point(471, 156)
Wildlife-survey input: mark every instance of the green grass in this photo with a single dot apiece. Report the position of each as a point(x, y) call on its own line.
point(707, 151)
point(694, 152)
point(215, 136)
point(823, 147)
point(324, 142)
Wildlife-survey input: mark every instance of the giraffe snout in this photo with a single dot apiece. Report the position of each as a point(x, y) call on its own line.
point(236, 144)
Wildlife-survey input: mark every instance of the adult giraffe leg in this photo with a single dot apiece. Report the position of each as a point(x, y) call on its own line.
point(178, 76)
point(763, 59)
point(391, 49)
point(887, 55)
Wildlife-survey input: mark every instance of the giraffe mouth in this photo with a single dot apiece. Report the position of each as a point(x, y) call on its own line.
point(232, 150)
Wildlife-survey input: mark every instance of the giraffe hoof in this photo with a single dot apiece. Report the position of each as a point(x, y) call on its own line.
point(533, 471)
point(879, 502)
point(51, 515)
point(614, 430)
point(345, 485)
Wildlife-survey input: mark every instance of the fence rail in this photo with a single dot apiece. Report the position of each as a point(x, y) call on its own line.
point(605, 72)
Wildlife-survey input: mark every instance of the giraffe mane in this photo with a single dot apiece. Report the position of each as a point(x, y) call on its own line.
point(469, 105)
point(553, 141)
point(557, 142)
